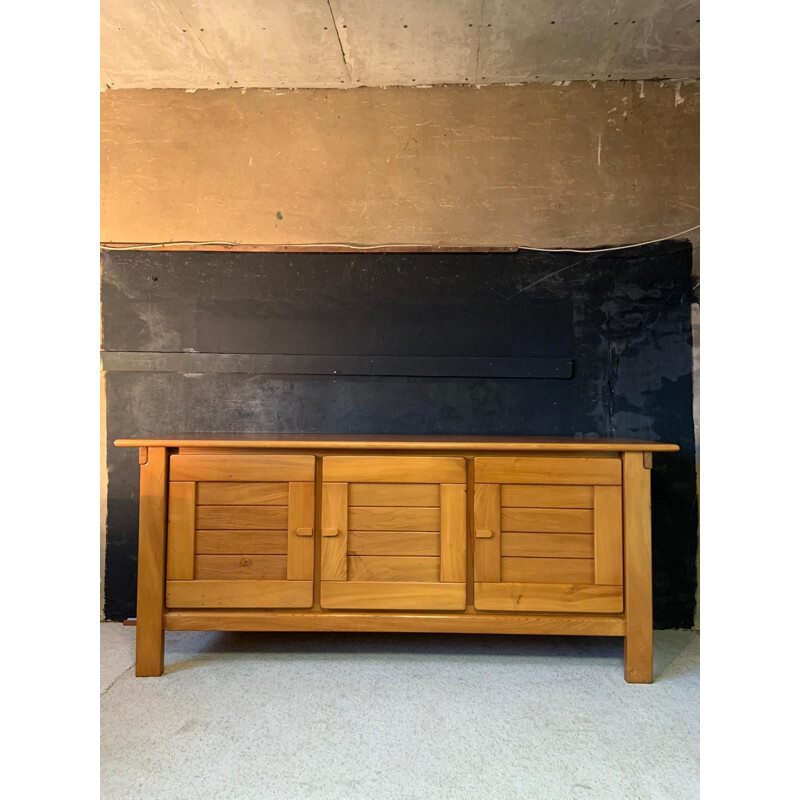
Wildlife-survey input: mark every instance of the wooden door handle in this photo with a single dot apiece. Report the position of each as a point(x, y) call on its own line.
point(330, 531)
point(304, 531)
point(483, 534)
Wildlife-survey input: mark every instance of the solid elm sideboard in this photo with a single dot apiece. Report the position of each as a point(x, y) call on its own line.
point(433, 534)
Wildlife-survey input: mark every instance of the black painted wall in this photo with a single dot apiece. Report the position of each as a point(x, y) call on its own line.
point(620, 320)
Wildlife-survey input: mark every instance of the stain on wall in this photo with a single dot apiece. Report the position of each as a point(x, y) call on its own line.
point(623, 318)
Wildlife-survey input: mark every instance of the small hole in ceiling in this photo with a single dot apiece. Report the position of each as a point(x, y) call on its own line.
point(202, 30)
point(344, 26)
point(489, 25)
point(552, 22)
point(616, 23)
point(405, 26)
point(633, 22)
point(184, 30)
point(325, 28)
point(470, 25)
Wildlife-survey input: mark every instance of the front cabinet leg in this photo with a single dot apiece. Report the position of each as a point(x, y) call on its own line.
point(152, 563)
point(638, 569)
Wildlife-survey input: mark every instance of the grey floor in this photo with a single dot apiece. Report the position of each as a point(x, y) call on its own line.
point(240, 715)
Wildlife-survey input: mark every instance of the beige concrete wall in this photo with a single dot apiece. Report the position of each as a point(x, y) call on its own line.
point(549, 165)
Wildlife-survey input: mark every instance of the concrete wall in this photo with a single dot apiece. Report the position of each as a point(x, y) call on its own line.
point(579, 164)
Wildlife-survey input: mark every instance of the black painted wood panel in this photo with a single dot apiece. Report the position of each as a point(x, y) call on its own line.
point(621, 319)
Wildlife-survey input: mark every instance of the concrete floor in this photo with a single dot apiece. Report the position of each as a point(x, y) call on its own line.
point(406, 716)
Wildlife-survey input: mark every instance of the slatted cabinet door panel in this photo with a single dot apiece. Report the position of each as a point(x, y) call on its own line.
point(240, 531)
point(394, 533)
point(548, 534)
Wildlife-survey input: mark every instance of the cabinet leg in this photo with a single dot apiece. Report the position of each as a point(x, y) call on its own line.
point(152, 564)
point(638, 570)
point(639, 658)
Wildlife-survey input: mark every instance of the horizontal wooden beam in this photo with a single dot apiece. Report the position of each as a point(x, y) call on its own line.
point(304, 248)
point(339, 365)
point(560, 624)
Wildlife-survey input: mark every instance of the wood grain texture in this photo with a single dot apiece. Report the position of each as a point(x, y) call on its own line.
point(547, 570)
point(231, 443)
point(180, 531)
point(608, 535)
point(255, 467)
point(547, 545)
point(394, 494)
point(394, 595)
point(393, 568)
point(240, 567)
point(638, 571)
point(515, 495)
point(398, 518)
point(300, 560)
point(393, 543)
point(548, 470)
point(239, 594)
point(483, 622)
point(547, 520)
point(487, 518)
point(394, 469)
point(224, 493)
point(241, 542)
point(334, 517)
point(454, 532)
point(152, 563)
point(272, 518)
point(584, 598)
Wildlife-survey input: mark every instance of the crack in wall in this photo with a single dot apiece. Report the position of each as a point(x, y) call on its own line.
point(341, 46)
point(478, 51)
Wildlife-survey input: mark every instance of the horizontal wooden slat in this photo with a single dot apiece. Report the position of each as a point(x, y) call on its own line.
point(240, 542)
point(253, 493)
point(393, 543)
point(241, 468)
point(404, 518)
point(482, 622)
point(547, 570)
point(530, 469)
point(548, 597)
point(520, 495)
point(393, 568)
point(547, 545)
point(390, 594)
point(239, 594)
point(394, 469)
point(362, 441)
point(394, 494)
point(547, 520)
point(275, 518)
point(237, 567)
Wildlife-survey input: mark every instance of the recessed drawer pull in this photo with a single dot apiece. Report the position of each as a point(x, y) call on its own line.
point(330, 531)
point(483, 534)
point(304, 531)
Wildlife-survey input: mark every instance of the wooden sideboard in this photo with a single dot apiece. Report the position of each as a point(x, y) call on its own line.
point(437, 534)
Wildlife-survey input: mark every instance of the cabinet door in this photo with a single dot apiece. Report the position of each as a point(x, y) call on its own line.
point(548, 534)
point(394, 533)
point(240, 531)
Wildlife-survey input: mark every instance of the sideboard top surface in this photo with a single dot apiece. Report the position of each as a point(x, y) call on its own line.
point(302, 441)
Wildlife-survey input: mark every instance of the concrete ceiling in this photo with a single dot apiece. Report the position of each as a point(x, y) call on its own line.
point(199, 44)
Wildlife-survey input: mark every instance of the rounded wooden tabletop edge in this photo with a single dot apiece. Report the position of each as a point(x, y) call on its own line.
point(410, 443)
